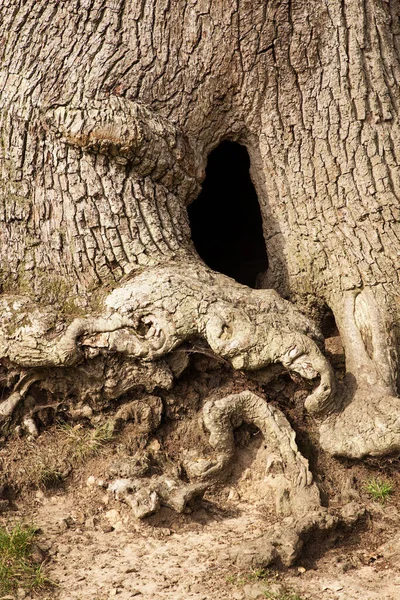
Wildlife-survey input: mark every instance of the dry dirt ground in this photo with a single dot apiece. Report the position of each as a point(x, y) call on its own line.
point(95, 549)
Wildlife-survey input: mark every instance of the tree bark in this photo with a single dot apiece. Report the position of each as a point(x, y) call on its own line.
point(108, 111)
point(328, 151)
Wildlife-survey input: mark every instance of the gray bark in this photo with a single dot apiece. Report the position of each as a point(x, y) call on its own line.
point(108, 110)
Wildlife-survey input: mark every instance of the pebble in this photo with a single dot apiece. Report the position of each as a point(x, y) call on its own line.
point(197, 588)
point(155, 446)
point(233, 495)
point(44, 545)
point(112, 516)
point(301, 570)
point(37, 556)
point(91, 522)
point(78, 516)
point(257, 591)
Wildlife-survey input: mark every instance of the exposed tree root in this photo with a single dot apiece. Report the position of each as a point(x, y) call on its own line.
point(130, 344)
point(18, 394)
point(287, 470)
point(366, 420)
point(146, 413)
point(368, 425)
point(283, 543)
point(145, 496)
point(148, 318)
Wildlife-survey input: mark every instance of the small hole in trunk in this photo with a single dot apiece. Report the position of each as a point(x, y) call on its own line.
point(226, 220)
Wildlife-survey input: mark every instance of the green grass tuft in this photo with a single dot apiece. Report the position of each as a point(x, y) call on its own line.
point(17, 570)
point(50, 476)
point(259, 575)
point(44, 471)
point(84, 443)
point(380, 490)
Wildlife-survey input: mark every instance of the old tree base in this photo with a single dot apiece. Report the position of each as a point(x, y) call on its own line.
point(108, 112)
point(126, 362)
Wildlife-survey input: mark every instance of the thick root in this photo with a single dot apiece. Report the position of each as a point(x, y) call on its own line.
point(149, 317)
point(367, 421)
point(146, 496)
point(368, 426)
point(8, 406)
point(283, 543)
point(287, 470)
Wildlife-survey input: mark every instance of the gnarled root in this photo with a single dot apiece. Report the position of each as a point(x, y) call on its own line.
point(368, 426)
point(19, 392)
point(368, 419)
point(148, 317)
point(146, 414)
point(283, 542)
point(145, 496)
point(287, 470)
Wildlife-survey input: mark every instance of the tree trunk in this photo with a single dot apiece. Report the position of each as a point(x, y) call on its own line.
point(108, 111)
point(328, 153)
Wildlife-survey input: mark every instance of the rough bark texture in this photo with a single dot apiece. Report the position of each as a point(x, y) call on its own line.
point(108, 110)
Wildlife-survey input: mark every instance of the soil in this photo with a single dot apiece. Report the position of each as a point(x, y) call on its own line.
point(93, 547)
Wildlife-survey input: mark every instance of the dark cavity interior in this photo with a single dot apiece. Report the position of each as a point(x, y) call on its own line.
point(225, 219)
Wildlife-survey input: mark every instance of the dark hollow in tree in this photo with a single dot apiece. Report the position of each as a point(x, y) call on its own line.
point(226, 220)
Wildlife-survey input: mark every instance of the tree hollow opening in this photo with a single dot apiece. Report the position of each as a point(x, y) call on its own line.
point(226, 220)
